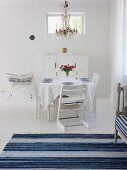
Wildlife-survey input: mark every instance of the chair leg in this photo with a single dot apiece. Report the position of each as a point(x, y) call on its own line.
point(29, 88)
point(30, 92)
point(94, 107)
point(48, 112)
point(11, 92)
point(115, 136)
point(37, 105)
point(55, 112)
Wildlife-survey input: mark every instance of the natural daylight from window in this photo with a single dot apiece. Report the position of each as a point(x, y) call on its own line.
point(54, 21)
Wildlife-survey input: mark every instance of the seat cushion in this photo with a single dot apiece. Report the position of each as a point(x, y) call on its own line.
point(121, 124)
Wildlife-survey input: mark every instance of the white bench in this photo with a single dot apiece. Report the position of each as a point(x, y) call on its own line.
point(18, 80)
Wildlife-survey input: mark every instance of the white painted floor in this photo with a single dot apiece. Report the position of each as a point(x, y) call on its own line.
point(18, 115)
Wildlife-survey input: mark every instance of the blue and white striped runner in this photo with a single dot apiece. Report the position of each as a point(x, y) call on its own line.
point(64, 151)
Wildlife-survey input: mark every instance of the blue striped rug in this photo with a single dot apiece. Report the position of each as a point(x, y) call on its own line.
point(63, 151)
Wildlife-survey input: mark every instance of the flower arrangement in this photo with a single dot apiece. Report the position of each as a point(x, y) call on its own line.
point(67, 68)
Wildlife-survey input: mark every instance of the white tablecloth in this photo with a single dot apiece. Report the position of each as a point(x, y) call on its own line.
point(50, 91)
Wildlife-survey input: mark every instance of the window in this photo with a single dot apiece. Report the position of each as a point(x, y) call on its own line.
point(54, 21)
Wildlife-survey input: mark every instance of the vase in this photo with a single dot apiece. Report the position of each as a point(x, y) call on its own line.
point(67, 73)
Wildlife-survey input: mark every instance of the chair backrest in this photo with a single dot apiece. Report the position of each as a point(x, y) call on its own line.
point(121, 101)
point(72, 90)
point(95, 79)
point(125, 96)
point(71, 97)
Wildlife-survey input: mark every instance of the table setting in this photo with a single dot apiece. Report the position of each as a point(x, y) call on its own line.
point(49, 90)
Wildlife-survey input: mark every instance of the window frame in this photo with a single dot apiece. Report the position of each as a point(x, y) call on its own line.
point(71, 14)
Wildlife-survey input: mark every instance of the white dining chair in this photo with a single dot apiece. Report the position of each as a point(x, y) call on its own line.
point(71, 106)
point(39, 106)
point(52, 107)
point(36, 81)
point(95, 79)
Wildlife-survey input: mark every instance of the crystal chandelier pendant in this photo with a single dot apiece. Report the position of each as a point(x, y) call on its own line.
point(65, 31)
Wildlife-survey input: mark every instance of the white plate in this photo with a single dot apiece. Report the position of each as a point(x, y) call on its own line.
point(85, 79)
point(68, 83)
point(47, 80)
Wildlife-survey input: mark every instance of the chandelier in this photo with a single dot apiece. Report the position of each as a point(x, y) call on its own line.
point(65, 31)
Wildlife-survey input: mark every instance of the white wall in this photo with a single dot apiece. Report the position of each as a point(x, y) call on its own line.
point(20, 19)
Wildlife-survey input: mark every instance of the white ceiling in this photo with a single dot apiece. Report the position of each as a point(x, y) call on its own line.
point(55, 1)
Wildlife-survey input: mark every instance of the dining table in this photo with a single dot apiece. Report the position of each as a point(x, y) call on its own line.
point(50, 90)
